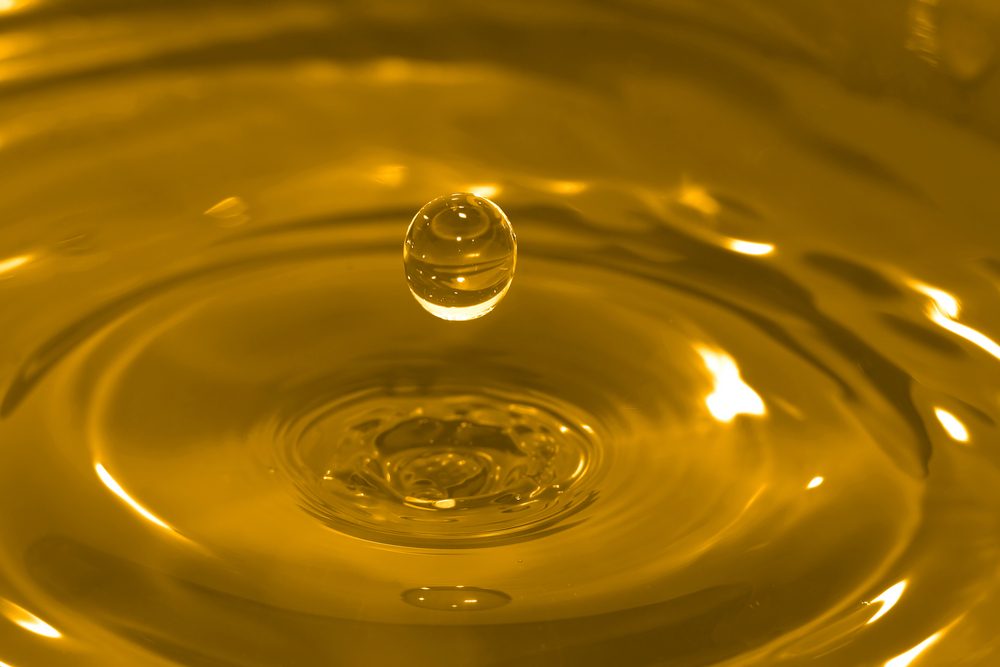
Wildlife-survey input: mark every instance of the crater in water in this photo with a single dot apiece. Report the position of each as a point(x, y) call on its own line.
point(442, 470)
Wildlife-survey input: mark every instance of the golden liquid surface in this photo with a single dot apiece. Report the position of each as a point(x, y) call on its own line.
point(739, 408)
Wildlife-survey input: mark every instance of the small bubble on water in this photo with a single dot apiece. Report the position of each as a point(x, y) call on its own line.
point(459, 256)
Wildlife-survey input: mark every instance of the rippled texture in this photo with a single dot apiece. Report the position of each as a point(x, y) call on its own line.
point(739, 409)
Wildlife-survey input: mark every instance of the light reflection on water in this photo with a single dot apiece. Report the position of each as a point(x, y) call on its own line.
point(740, 408)
point(28, 621)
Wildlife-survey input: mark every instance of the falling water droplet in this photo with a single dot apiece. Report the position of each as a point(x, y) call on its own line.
point(459, 256)
point(455, 598)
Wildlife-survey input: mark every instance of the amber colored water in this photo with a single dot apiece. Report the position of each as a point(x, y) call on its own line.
point(739, 406)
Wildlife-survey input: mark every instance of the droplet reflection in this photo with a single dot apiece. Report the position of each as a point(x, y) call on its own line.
point(455, 598)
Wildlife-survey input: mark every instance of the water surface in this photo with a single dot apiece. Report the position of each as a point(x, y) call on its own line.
point(739, 407)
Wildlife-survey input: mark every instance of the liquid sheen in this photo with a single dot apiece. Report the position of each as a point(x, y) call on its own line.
point(739, 409)
point(459, 255)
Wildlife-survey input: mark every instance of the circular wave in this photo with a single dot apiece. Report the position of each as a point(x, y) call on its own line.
point(725, 416)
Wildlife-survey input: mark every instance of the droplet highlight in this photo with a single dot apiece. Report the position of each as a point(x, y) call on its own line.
point(459, 256)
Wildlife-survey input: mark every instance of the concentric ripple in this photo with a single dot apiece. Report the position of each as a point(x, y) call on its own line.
point(236, 412)
point(288, 417)
point(739, 409)
point(431, 470)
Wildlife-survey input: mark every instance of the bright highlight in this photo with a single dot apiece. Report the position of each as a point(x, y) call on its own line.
point(731, 396)
point(952, 425)
point(750, 247)
point(887, 600)
point(116, 489)
point(487, 190)
point(28, 621)
point(943, 311)
point(11, 263)
point(904, 659)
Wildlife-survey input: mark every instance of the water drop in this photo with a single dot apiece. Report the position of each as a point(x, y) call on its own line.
point(459, 256)
point(455, 598)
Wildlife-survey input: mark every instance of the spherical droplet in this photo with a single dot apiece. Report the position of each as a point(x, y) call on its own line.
point(459, 256)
